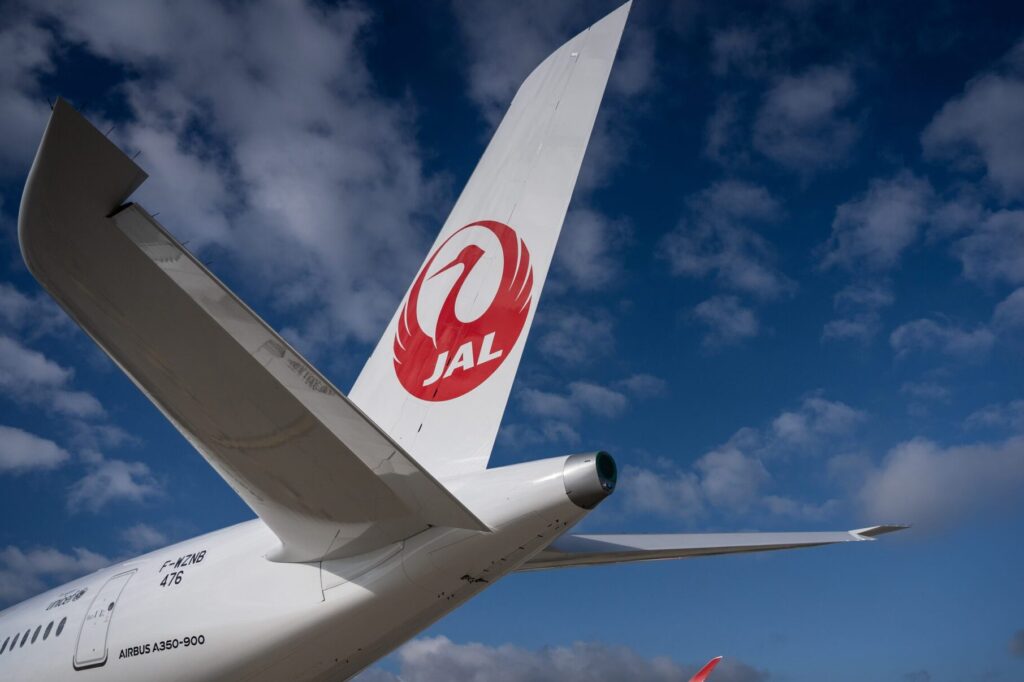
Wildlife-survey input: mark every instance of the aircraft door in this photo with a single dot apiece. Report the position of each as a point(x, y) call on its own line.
point(91, 651)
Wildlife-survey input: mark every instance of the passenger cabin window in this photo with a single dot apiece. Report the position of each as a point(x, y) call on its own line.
point(49, 627)
point(4, 647)
point(25, 638)
point(36, 633)
point(60, 628)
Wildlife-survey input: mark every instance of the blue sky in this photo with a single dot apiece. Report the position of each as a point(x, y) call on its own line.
point(789, 294)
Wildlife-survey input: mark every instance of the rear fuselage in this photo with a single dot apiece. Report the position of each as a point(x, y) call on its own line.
point(215, 608)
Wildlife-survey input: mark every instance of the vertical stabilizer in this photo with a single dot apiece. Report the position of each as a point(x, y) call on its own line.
point(440, 377)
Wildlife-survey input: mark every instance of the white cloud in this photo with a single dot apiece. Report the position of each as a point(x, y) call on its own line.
point(582, 397)
point(557, 413)
point(289, 161)
point(786, 507)
point(727, 320)
point(801, 123)
point(926, 391)
point(943, 337)
point(34, 315)
point(665, 491)
point(815, 420)
point(21, 367)
point(994, 250)
point(875, 229)
point(731, 479)
point(22, 451)
point(597, 399)
point(716, 240)
point(998, 415)
point(29, 377)
point(643, 385)
point(859, 305)
point(142, 537)
point(27, 572)
point(922, 482)
point(24, 55)
point(1009, 313)
point(575, 338)
point(438, 659)
point(112, 480)
point(587, 254)
point(537, 433)
point(981, 127)
point(734, 478)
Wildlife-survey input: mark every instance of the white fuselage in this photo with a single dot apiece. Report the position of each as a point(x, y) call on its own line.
point(215, 608)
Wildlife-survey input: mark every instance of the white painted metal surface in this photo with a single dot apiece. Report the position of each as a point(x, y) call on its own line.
point(524, 180)
point(92, 639)
point(358, 546)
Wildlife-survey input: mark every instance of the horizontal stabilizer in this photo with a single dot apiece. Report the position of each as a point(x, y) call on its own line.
point(589, 550)
point(318, 472)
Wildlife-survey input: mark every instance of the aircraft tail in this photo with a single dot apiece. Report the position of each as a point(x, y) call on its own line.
point(702, 674)
point(439, 379)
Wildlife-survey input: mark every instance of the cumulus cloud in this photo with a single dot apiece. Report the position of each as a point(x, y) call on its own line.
point(643, 385)
point(716, 239)
point(859, 307)
point(29, 377)
point(112, 480)
point(734, 477)
point(557, 413)
point(802, 123)
point(25, 54)
point(815, 420)
point(980, 128)
point(875, 229)
point(31, 315)
point(22, 451)
point(1008, 415)
point(1009, 314)
point(942, 337)
point(575, 338)
point(731, 479)
point(282, 159)
point(727, 320)
point(142, 537)
point(582, 397)
point(587, 250)
point(665, 490)
point(437, 659)
point(994, 251)
point(922, 482)
point(27, 572)
point(537, 432)
point(926, 391)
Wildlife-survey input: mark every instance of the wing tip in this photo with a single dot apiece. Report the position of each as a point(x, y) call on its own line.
point(872, 532)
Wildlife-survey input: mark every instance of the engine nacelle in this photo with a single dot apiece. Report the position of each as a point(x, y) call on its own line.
point(589, 478)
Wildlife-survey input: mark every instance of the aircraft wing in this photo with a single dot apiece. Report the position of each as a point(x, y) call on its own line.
point(318, 472)
point(590, 550)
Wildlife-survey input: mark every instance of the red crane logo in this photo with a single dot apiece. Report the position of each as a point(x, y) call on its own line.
point(461, 354)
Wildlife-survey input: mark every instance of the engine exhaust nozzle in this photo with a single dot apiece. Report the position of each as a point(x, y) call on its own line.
point(589, 478)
